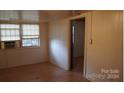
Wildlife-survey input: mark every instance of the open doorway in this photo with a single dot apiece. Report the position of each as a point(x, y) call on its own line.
point(77, 45)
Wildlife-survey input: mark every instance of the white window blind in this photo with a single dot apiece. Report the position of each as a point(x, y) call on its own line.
point(26, 15)
point(30, 35)
point(9, 32)
point(9, 15)
point(30, 15)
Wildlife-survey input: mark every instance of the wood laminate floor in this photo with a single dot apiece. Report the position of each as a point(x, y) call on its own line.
point(41, 72)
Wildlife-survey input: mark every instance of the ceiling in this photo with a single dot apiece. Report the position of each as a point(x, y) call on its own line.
point(50, 15)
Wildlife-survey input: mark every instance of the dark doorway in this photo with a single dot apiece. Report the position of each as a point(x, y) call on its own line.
point(77, 45)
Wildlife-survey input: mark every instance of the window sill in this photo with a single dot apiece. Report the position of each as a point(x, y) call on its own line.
point(20, 48)
point(30, 47)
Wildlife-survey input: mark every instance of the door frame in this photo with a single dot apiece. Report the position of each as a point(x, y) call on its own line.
point(87, 17)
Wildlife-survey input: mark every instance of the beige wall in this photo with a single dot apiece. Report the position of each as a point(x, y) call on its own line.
point(105, 28)
point(58, 43)
point(23, 56)
point(106, 50)
point(123, 45)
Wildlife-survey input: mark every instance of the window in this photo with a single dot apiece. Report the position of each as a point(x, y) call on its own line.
point(14, 30)
point(30, 35)
point(9, 32)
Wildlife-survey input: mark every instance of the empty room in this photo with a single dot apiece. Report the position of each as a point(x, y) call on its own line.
point(61, 46)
